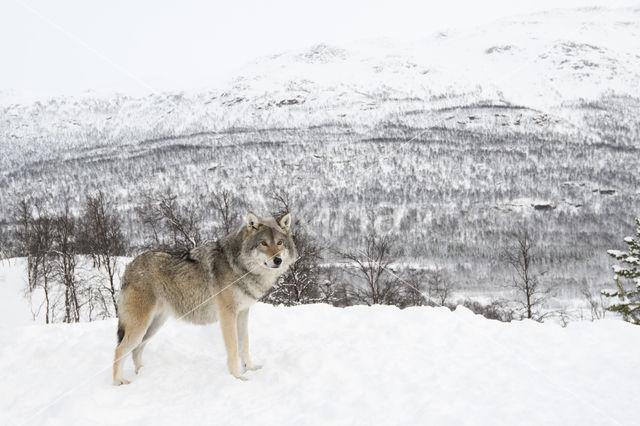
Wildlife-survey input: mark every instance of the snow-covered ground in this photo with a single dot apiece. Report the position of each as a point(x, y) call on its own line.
point(14, 305)
point(325, 365)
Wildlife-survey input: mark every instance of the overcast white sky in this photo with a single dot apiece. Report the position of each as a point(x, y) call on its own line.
point(69, 46)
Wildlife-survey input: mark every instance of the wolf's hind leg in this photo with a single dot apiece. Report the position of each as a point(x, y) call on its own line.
point(133, 327)
point(155, 325)
point(137, 356)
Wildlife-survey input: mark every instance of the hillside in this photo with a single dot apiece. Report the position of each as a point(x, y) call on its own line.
point(452, 140)
point(358, 365)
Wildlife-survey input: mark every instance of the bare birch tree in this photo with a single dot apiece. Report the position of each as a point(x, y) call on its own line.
point(521, 257)
point(173, 225)
point(42, 236)
point(103, 239)
point(64, 259)
point(23, 215)
point(224, 203)
point(370, 264)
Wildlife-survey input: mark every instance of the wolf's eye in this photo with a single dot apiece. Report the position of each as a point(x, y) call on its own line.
point(264, 243)
point(280, 242)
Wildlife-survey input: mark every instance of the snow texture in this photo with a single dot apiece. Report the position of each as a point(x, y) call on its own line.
point(325, 365)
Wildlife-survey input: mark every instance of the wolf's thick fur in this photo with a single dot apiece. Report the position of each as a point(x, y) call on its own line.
point(213, 282)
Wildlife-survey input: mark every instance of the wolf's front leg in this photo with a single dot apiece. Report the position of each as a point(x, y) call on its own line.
point(228, 320)
point(243, 342)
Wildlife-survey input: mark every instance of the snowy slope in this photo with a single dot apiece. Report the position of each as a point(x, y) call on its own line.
point(540, 61)
point(324, 365)
point(15, 306)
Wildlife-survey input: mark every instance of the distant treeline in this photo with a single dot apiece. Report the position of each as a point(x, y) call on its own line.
point(75, 260)
point(450, 183)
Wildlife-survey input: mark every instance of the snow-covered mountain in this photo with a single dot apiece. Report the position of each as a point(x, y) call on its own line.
point(452, 139)
point(539, 61)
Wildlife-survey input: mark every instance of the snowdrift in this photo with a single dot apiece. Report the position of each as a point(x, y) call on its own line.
point(325, 365)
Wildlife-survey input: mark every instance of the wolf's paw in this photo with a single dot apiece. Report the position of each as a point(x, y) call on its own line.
point(118, 382)
point(241, 377)
point(252, 367)
point(138, 368)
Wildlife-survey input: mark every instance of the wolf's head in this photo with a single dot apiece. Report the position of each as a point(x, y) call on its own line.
point(268, 242)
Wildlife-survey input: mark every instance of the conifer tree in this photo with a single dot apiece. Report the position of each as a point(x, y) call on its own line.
point(628, 303)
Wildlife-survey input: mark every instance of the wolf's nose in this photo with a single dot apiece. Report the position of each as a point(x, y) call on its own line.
point(277, 260)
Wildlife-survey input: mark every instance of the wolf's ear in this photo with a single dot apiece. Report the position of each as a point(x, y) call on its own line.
point(252, 221)
point(285, 222)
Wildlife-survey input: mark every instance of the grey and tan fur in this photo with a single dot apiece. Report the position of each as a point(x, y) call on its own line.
point(214, 282)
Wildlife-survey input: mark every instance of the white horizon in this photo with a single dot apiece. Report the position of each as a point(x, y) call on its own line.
point(74, 48)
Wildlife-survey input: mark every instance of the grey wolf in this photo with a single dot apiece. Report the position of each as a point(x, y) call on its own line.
point(214, 282)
